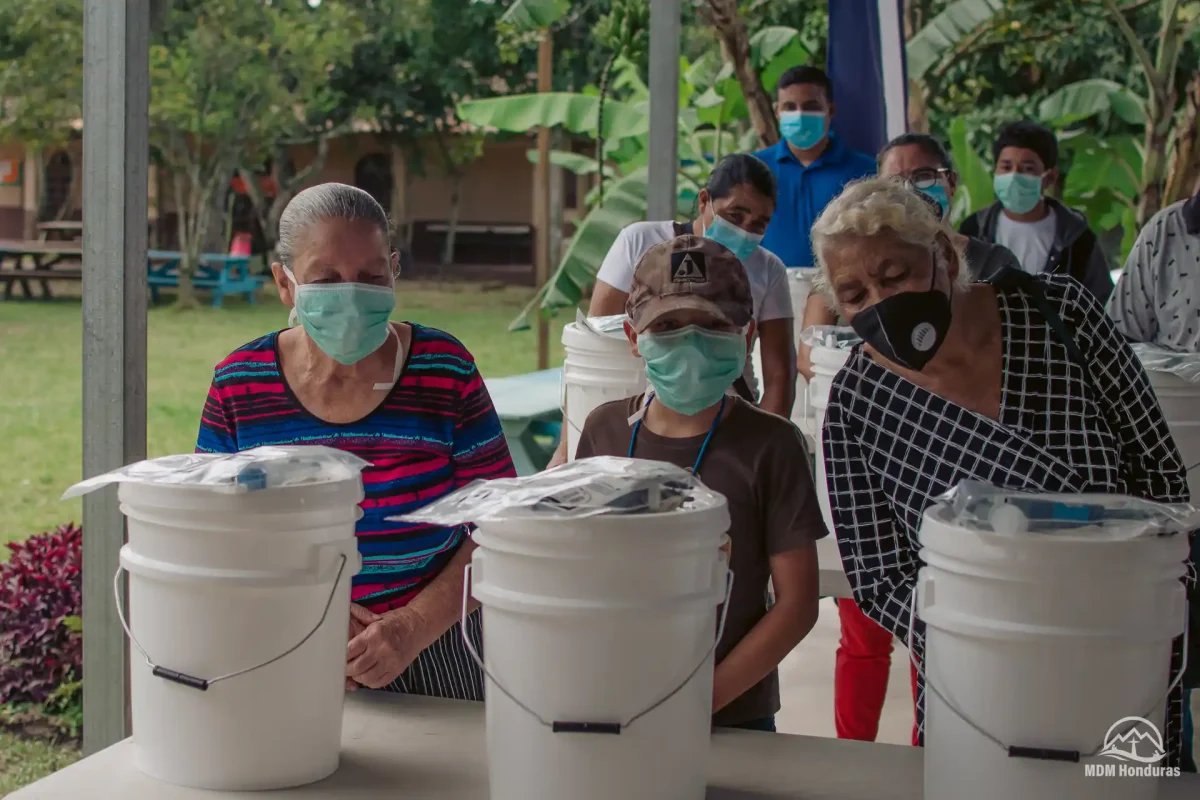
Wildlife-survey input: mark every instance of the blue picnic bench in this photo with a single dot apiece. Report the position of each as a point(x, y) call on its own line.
point(219, 273)
point(530, 411)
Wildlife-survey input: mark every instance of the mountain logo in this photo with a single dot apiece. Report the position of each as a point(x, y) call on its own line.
point(1134, 739)
point(687, 267)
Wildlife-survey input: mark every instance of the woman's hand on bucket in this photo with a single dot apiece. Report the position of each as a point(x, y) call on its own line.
point(385, 648)
point(360, 618)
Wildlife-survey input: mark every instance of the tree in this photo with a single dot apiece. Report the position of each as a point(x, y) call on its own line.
point(724, 18)
point(224, 73)
point(307, 109)
point(1162, 95)
point(423, 58)
point(41, 74)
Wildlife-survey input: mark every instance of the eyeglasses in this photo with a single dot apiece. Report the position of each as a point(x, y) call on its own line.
point(926, 177)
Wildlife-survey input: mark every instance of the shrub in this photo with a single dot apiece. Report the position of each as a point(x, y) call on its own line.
point(40, 603)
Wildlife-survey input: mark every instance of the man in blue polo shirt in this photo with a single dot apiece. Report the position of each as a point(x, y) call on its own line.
point(810, 164)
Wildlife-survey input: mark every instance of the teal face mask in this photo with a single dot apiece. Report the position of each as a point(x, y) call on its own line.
point(939, 195)
point(1018, 193)
point(739, 242)
point(691, 369)
point(348, 321)
point(802, 129)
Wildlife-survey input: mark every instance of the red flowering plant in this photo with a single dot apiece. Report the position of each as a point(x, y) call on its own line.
point(41, 649)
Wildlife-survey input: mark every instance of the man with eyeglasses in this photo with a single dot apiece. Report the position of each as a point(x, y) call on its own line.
point(1047, 236)
point(924, 164)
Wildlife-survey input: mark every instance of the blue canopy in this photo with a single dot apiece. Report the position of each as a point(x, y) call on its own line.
point(866, 67)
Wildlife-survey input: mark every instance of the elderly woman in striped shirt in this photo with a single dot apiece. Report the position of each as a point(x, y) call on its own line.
point(406, 398)
point(1022, 382)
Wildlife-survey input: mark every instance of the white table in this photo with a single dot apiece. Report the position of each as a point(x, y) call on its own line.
point(405, 747)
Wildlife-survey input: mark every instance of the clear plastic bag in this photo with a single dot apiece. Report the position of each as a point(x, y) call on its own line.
point(1159, 359)
point(247, 471)
point(587, 487)
point(833, 336)
point(612, 326)
point(1107, 516)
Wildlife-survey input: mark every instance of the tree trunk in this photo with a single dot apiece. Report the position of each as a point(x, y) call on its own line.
point(1185, 163)
point(723, 17)
point(456, 181)
point(185, 217)
point(918, 107)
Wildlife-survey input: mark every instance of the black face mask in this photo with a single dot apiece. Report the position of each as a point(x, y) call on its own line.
point(906, 328)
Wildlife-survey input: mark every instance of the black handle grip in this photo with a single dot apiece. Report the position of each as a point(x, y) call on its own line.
point(180, 678)
point(587, 727)
point(1044, 754)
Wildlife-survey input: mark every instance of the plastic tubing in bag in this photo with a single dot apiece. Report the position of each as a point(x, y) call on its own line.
point(582, 488)
point(1158, 359)
point(832, 336)
point(250, 470)
point(981, 505)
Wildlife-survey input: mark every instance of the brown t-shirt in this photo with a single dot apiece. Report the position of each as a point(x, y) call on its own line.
point(758, 461)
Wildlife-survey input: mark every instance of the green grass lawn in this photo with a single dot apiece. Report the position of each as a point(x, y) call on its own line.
point(40, 388)
point(23, 761)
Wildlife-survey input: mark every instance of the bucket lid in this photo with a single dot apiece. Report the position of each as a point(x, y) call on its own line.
point(946, 533)
point(589, 487)
point(249, 471)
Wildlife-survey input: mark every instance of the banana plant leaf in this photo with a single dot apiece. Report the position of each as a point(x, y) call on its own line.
point(1089, 98)
point(1113, 162)
point(577, 163)
point(624, 204)
point(945, 31)
point(575, 112)
point(533, 15)
point(974, 177)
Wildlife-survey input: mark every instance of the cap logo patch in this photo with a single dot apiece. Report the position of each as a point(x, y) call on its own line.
point(688, 267)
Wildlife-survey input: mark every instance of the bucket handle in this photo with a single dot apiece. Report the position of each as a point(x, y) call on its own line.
point(561, 726)
point(925, 584)
point(203, 684)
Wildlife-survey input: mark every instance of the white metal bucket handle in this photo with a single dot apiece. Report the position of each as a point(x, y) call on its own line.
point(1018, 751)
point(203, 684)
point(561, 726)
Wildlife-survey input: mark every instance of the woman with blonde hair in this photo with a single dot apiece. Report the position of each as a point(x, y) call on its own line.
point(1021, 382)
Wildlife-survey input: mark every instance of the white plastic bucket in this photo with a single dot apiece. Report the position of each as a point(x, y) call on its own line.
point(599, 641)
point(1180, 402)
point(1042, 642)
point(800, 280)
point(826, 361)
point(238, 606)
point(598, 368)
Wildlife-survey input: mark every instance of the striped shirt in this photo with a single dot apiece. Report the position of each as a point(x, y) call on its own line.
point(435, 432)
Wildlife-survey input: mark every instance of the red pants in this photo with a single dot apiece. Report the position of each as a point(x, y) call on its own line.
point(864, 659)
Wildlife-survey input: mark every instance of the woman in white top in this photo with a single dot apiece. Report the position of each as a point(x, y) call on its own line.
point(735, 208)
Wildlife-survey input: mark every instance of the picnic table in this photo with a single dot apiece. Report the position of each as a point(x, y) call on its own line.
point(219, 273)
point(22, 262)
point(530, 411)
point(62, 230)
point(396, 745)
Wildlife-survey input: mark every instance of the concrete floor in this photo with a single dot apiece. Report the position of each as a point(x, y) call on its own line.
point(806, 686)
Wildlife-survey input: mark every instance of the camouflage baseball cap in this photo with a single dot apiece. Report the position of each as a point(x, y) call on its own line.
point(689, 272)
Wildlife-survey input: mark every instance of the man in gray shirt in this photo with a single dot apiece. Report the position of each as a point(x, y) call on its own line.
point(1157, 299)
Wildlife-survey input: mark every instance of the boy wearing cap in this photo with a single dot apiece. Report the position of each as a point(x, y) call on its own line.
point(690, 317)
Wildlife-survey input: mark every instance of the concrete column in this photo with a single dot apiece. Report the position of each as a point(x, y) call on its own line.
point(665, 29)
point(116, 96)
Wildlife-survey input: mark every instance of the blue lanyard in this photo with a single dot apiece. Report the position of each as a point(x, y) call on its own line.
point(637, 426)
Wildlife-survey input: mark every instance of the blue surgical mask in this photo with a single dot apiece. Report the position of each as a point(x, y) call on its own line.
point(348, 321)
point(939, 195)
point(739, 242)
point(1017, 192)
point(691, 369)
point(802, 129)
